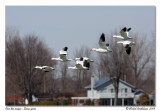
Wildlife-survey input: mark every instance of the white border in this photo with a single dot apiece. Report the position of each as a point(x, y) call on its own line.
point(81, 2)
point(4, 3)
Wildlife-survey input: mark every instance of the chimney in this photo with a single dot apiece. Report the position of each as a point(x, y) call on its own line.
point(92, 86)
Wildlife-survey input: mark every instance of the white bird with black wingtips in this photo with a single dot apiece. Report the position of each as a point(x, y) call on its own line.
point(84, 58)
point(127, 45)
point(81, 64)
point(104, 47)
point(62, 55)
point(45, 68)
point(124, 34)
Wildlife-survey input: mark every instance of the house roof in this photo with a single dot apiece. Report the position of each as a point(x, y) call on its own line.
point(99, 82)
point(137, 91)
point(105, 80)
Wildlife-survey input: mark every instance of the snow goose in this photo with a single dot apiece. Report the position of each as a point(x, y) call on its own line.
point(62, 55)
point(81, 64)
point(127, 45)
point(84, 58)
point(124, 34)
point(45, 68)
point(104, 47)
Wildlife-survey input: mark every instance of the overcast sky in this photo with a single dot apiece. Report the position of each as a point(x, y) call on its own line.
point(74, 26)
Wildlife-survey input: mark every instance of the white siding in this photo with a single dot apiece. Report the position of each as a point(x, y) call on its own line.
point(109, 94)
point(95, 94)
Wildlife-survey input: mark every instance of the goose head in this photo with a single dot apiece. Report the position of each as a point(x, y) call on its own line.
point(91, 60)
point(109, 50)
point(133, 43)
point(93, 49)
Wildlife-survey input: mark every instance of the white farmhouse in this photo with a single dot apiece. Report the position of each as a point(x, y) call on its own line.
point(103, 90)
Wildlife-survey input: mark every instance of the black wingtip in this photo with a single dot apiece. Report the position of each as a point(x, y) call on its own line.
point(102, 37)
point(65, 48)
point(87, 64)
point(103, 34)
point(127, 46)
point(124, 29)
point(128, 50)
point(128, 29)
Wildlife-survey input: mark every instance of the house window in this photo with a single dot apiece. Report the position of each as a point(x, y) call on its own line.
point(122, 90)
point(104, 90)
point(112, 90)
point(125, 90)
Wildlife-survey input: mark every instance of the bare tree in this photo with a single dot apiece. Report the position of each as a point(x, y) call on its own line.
point(12, 56)
point(82, 76)
point(140, 57)
point(117, 66)
point(63, 71)
point(146, 66)
point(22, 55)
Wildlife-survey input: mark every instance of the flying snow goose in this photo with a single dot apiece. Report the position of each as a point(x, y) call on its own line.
point(62, 55)
point(81, 64)
point(104, 47)
point(45, 68)
point(124, 34)
point(127, 45)
point(84, 58)
point(86, 61)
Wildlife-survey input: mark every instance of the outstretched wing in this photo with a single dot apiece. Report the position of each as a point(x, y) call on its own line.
point(86, 64)
point(102, 42)
point(128, 50)
point(128, 29)
point(63, 53)
point(123, 32)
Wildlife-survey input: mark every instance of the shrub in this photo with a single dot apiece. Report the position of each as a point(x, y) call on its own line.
point(42, 103)
point(68, 102)
point(144, 99)
point(89, 102)
point(100, 102)
point(53, 103)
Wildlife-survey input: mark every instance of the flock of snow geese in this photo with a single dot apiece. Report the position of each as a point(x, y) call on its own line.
point(83, 63)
